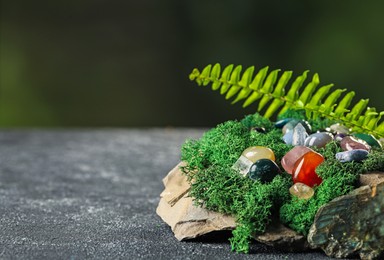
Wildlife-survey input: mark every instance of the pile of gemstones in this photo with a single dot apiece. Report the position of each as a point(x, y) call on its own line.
point(258, 163)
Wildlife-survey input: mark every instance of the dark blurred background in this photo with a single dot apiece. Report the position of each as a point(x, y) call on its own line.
point(126, 63)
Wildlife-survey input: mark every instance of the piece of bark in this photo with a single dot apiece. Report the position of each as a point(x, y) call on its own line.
point(351, 224)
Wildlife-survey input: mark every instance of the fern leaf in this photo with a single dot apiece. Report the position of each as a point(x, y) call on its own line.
point(333, 97)
point(341, 108)
point(293, 92)
point(225, 79)
point(269, 87)
point(256, 84)
point(309, 89)
point(215, 74)
point(234, 87)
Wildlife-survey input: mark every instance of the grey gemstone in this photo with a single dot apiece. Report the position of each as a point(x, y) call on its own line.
point(288, 137)
point(352, 155)
point(299, 135)
point(318, 139)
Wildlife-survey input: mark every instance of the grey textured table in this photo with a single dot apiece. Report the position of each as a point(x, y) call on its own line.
point(75, 194)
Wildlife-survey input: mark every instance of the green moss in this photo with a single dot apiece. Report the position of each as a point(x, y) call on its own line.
point(293, 113)
point(218, 146)
point(223, 190)
point(254, 120)
point(218, 187)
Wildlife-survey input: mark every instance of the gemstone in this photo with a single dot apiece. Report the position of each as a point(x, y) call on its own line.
point(351, 143)
point(304, 169)
point(370, 139)
point(288, 137)
point(259, 129)
point(291, 125)
point(356, 155)
point(301, 191)
point(318, 139)
point(281, 123)
point(250, 156)
point(339, 137)
point(290, 158)
point(299, 135)
point(264, 170)
point(339, 129)
point(255, 153)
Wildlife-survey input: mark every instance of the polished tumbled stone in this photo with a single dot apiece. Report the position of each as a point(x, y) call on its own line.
point(299, 135)
point(318, 139)
point(290, 125)
point(288, 137)
point(289, 159)
point(259, 130)
point(356, 155)
point(293, 123)
point(301, 191)
point(250, 156)
point(351, 143)
point(281, 123)
point(339, 137)
point(304, 170)
point(339, 129)
point(255, 153)
point(371, 140)
point(264, 170)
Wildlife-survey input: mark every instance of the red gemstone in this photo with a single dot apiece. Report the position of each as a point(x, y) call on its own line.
point(304, 169)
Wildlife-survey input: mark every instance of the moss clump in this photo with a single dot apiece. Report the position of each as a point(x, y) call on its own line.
point(216, 186)
point(293, 113)
point(223, 190)
point(219, 146)
point(256, 120)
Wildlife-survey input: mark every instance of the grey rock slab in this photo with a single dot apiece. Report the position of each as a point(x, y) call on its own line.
point(93, 193)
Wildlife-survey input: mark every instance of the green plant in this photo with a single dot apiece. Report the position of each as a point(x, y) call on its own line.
point(270, 88)
point(218, 187)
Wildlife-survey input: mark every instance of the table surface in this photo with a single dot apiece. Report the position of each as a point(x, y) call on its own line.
point(75, 194)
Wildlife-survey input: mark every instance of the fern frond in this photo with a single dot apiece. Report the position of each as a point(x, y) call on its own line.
point(275, 95)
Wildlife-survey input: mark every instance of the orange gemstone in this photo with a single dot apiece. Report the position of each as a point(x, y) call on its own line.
point(304, 169)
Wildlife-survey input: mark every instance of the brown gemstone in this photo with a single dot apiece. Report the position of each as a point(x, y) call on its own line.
point(301, 191)
point(352, 143)
point(304, 170)
point(289, 160)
